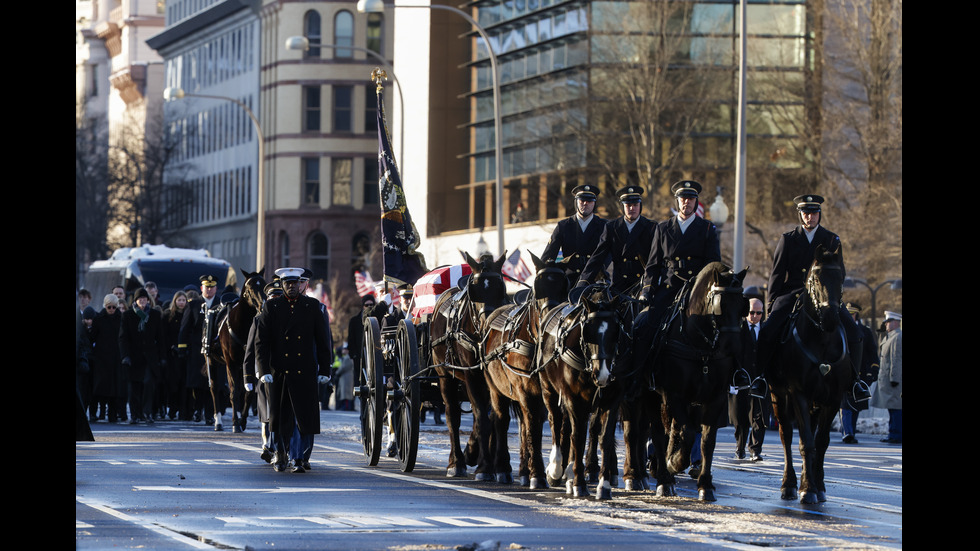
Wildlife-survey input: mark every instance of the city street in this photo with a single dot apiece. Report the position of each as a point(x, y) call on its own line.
point(181, 485)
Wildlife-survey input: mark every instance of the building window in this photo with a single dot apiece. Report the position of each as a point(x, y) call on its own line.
point(371, 177)
point(318, 255)
point(370, 109)
point(284, 249)
point(311, 181)
point(342, 181)
point(343, 108)
point(311, 29)
point(343, 33)
point(311, 108)
point(375, 32)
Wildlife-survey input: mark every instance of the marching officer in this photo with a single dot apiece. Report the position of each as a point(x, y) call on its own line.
point(292, 354)
point(578, 235)
point(192, 340)
point(791, 262)
point(625, 242)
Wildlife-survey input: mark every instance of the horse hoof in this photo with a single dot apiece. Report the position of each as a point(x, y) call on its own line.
point(808, 498)
point(788, 493)
point(821, 496)
point(665, 490)
point(614, 482)
point(604, 491)
point(592, 478)
point(218, 426)
point(504, 478)
point(580, 491)
point(237, 429)
point(483, 477)
point(456, 472)
point(537, 483)
point(568, 487)
point(631, 485)
point(525, 480)
point(706, 495)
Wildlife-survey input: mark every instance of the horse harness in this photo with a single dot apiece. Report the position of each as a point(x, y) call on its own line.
point(461, 308)
point(792, 330)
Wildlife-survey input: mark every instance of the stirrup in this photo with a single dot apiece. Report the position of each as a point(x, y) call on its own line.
point(759, 388)
point(860, 391)
point(740, 379)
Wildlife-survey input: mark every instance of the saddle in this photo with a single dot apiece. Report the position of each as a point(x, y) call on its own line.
point(558, 323)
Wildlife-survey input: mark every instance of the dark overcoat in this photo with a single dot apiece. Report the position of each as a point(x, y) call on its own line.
point(292, 344)
point(626, 250)
point(574, 244)
point(676, 257)
point(791, 262)
point(107, 376)
point(189, 340)
point(145, 349)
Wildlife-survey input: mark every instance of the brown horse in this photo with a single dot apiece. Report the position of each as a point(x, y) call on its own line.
point(809, 374)
point(581, 375)
point(694, 358)
point(232, 337)
point(511, 361)
point(456, 332)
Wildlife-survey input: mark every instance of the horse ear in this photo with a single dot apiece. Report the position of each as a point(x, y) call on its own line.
point(469, 260)
point(741, 275)
point(538, 263)
point(499, 263)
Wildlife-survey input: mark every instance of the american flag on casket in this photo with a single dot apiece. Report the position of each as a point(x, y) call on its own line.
point(428, 288)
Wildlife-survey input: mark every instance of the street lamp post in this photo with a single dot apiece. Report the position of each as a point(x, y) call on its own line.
point(738, 244)
point(377, 6)
point(177, 93)
point(896, 284)
point(302, 43)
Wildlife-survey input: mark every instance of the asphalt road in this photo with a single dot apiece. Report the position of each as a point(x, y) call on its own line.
point(181, 485)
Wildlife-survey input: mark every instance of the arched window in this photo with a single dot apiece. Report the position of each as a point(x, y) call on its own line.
point(375, 31)
point(283, 249)
point(318, 255)
point(311, 29)
point(343, 33)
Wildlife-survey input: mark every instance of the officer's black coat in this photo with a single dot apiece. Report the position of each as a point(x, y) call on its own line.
point(189, 340)
point(145, 349)
point(791, 262)
point(626, 250)
point(676, 257)
point(292, 343)
point(574, 244)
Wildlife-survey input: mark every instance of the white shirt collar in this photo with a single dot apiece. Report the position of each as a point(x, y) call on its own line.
point(685, 223)
point(584, 222)
point(810, 233)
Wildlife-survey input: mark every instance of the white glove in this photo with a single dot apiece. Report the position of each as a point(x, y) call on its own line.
point(249, 387)
point(733, 390)
point(267, 379)
point(323, 379)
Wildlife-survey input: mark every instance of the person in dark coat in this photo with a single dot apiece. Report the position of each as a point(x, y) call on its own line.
point(189, 345)
point(748, 413)
point(791, 262)
point(577, 236)
point(292, 354)
point(250, 375)
point(141, 345)
point(849, 411)
point(682, 246)
point(108, 382)
point(175, 374)
point(355, 329)
point(624, 243)
point(83, 430)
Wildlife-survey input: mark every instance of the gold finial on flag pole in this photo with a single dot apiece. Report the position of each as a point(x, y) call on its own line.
point(378, 75)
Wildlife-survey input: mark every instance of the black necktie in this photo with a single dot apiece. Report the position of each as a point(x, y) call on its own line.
point(754, 335)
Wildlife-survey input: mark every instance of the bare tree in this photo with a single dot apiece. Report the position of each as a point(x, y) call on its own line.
point(91, 192)
point(145, 208)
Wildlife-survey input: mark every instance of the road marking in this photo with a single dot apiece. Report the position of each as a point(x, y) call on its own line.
point(374, 522)
point(278, 490)
point(146, 525)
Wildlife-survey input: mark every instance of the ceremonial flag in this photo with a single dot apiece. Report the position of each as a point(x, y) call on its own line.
point(515, 267)
point(699, 211)
point(431, 285)
point(399, 238)
point(362, 280)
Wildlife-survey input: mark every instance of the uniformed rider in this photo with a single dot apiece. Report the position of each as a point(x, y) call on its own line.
point(576, 237)
point(625, 242)
point(794, 254)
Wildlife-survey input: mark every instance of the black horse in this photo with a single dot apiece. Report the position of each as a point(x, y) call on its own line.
point(580, 375)
point(511, 361)
point(809, 373)
point(695, 355)
point(232, 337)
point(456, 332)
